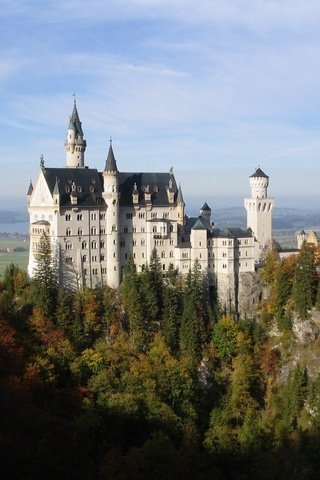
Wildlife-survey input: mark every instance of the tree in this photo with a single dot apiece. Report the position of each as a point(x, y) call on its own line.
point(45, 277)
point(130, 292)
point(304, 287)
point(194, 315)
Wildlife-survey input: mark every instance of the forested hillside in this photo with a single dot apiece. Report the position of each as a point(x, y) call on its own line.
point(153, 381)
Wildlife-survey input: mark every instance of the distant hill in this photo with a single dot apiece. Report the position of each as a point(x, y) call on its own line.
point(283, 218)
point(10, 216)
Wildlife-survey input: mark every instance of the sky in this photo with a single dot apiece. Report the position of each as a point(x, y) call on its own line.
point(211, 88)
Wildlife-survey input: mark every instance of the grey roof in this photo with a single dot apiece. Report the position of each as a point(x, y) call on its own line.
point(199, 225)
point(231, 232)
point(56, 190)
point(41, 222)
point(259, 174)
point(88, 179)
point(111, 164)
point(30, 189)
point(179, 195)
point(75, 123)
point(205, 207)
point(157, 183)
point(302, 232)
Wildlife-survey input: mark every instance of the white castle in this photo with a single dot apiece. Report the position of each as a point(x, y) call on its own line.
point(96, 220)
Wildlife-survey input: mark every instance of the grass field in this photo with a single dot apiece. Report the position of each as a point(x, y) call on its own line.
point(18, 258)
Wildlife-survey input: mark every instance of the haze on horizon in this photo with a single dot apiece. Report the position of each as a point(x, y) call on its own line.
point(213, 89)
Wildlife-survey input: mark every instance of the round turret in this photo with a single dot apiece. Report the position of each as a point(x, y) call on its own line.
point(259, 182)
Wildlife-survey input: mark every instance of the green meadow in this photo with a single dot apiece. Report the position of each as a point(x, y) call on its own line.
point(7, 254)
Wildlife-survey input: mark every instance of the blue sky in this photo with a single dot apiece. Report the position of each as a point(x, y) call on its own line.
point(212, 88)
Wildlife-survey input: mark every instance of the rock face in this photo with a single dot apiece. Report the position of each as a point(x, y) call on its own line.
point(249, 292)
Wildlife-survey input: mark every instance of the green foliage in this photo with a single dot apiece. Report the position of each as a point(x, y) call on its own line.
point(224, 337)
point(45, 277)
point(305, 281)
point(194, 320)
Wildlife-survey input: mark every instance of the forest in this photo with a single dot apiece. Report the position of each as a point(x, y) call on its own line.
point(155, 381)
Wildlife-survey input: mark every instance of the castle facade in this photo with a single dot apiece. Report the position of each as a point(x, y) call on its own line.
point(96, 220)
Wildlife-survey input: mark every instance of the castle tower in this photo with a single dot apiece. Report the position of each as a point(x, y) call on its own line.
point(259, 210)
point(205, 214)
point(111, 196)
point(75, 145)
point(180, 206)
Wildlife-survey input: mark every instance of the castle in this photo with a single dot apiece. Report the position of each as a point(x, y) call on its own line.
point(96, 220)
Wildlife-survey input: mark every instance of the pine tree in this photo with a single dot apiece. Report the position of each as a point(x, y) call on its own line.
point(172, 302)
point(130, 291)
point(194, 316)
point(45, 277)
point(152, 286)
point(305, 281)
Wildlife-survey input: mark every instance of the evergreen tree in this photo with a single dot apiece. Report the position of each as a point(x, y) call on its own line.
point(194, 316)
point(152, 288)
point(45, 277)
point(304, 287)
point(130, 291)
point(172, 300)
point(282, 290)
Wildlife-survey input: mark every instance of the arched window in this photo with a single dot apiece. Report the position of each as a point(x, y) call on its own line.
point(93, 231)
point(94, 244)
point(68, 232)
point(84, 258)
point(80, 232)
point(84, 245)
point(154, 228)
point(68, 246)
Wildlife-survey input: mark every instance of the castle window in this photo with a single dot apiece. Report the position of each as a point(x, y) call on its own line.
point(125, 230)
point(79, 216)
point(93, 231)
point(163, 267)
point(230, 242)
point(199, 255)
point(142, 229)
point(94, 258)
point(134, 243)
point(154, 215)
point(102, 216)
point(102, 230)
point(224, 242)
point(94, 244)
point(84, 271)
point(84, 258)
point(103, 270)
point(80, 232)
point(143, 242)
point(141, 215)
point(91, 188)
point(163, 254)
point(122, 243)
point(171, 254)
point(69, 260)
point(154, 229)
point(102, 258)
point(94, 271)
point(128, 215)
point(224, 254)
point(199, 244)
point(93, 216)
point(102, 244)
point(67, 189)
point(68, 232)
point(114, 242)
point(67, 217)
point(84, 245)
point(115, 269)
point(68, 246)
point(142, 254)
point(171, 228)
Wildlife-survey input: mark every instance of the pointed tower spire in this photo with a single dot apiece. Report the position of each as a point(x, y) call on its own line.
point(30, 189)
point(111, 164)
point(179, 195)
point(75, 145)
